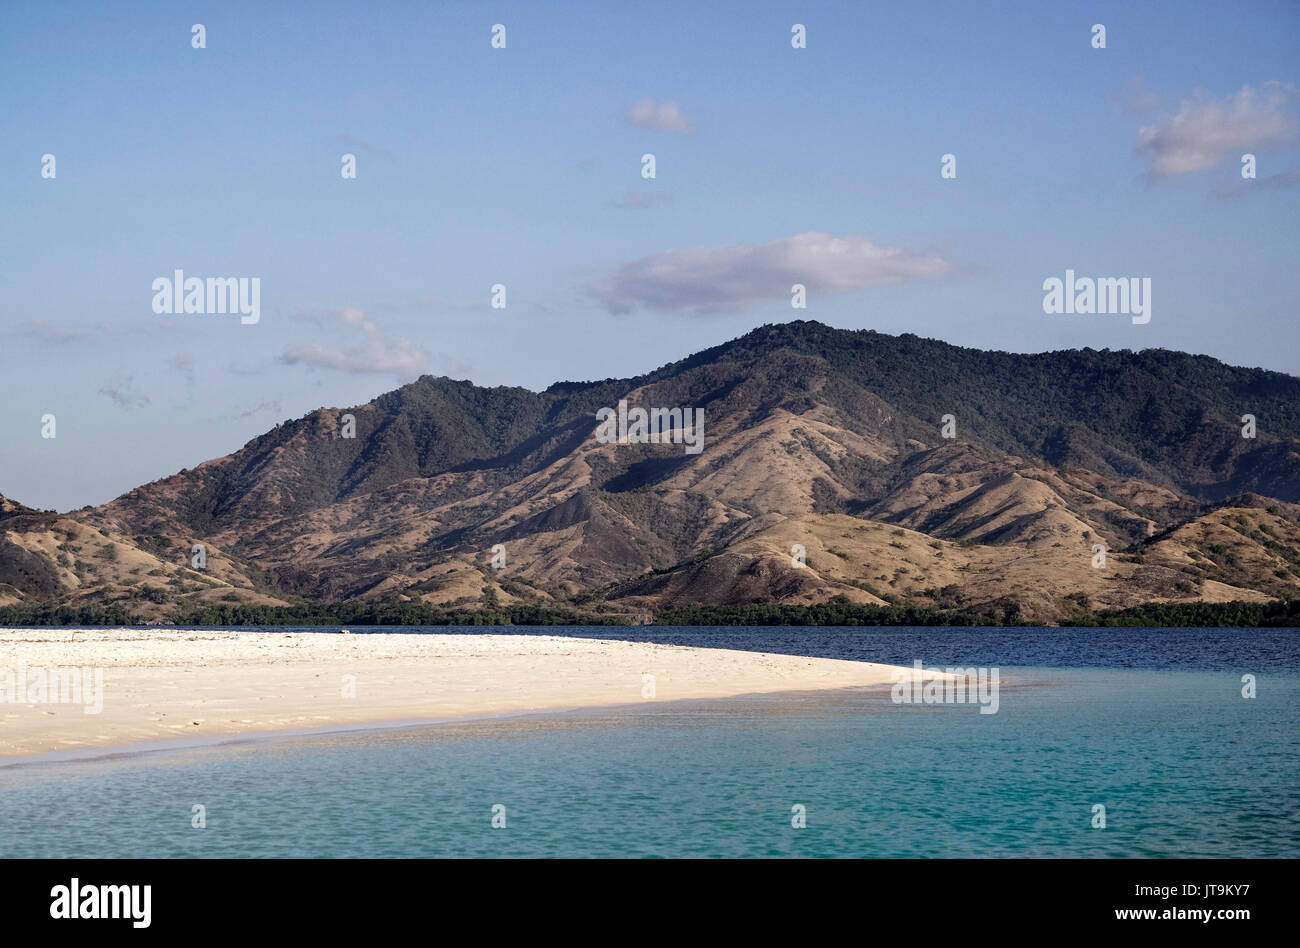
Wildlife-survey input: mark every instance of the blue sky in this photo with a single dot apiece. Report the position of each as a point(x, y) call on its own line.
point(522, 166)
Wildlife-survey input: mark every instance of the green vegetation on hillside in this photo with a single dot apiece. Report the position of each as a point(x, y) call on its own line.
point(76, 617)
point(829, 613)
point(1171, 615)
point(1224, 615)
point(390, 613)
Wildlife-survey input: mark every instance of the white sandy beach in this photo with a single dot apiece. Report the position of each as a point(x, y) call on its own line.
point(160, 684)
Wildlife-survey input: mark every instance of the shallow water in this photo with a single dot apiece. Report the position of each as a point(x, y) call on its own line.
point(1184, 765)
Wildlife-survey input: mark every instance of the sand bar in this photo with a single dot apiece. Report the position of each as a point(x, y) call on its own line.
point(160, 684)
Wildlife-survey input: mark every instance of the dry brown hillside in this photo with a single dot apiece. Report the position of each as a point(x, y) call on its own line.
point(816, 438)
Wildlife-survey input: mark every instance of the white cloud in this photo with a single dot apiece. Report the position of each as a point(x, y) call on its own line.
point(1206, 131)
point(664, 117)
point(712, 279)
point(375, 354)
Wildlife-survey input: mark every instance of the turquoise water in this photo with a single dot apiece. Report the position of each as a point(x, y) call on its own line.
point(1183, 764)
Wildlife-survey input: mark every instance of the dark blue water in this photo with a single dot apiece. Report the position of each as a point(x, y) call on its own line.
point(1150, 724)
point(1248, 649)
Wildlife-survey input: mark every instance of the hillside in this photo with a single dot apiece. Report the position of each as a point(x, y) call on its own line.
point(817, 437)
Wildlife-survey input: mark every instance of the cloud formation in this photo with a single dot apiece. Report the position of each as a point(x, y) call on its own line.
point(663, 117)
point(266, 405)
point(716, 279)
point(1206, 131)
point(1281, 180)
point(1236, 188)
point(122, 391)
point(375, 354)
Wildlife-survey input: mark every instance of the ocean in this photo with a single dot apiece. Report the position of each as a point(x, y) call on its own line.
point(1149, 724)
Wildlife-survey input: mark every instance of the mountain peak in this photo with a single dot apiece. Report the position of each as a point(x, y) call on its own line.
point(921, 462)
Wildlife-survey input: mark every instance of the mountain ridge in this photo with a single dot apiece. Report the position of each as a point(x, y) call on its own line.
point(1053, 453)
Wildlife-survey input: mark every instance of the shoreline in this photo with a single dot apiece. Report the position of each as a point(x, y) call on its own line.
point(171, 745)
point(161, 688)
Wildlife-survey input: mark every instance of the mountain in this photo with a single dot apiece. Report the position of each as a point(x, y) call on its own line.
point(827, 439)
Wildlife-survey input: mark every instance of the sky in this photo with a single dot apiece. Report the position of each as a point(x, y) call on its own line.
point(478, 165)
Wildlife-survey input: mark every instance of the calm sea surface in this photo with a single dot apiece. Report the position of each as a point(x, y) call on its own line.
point(1149, 723)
